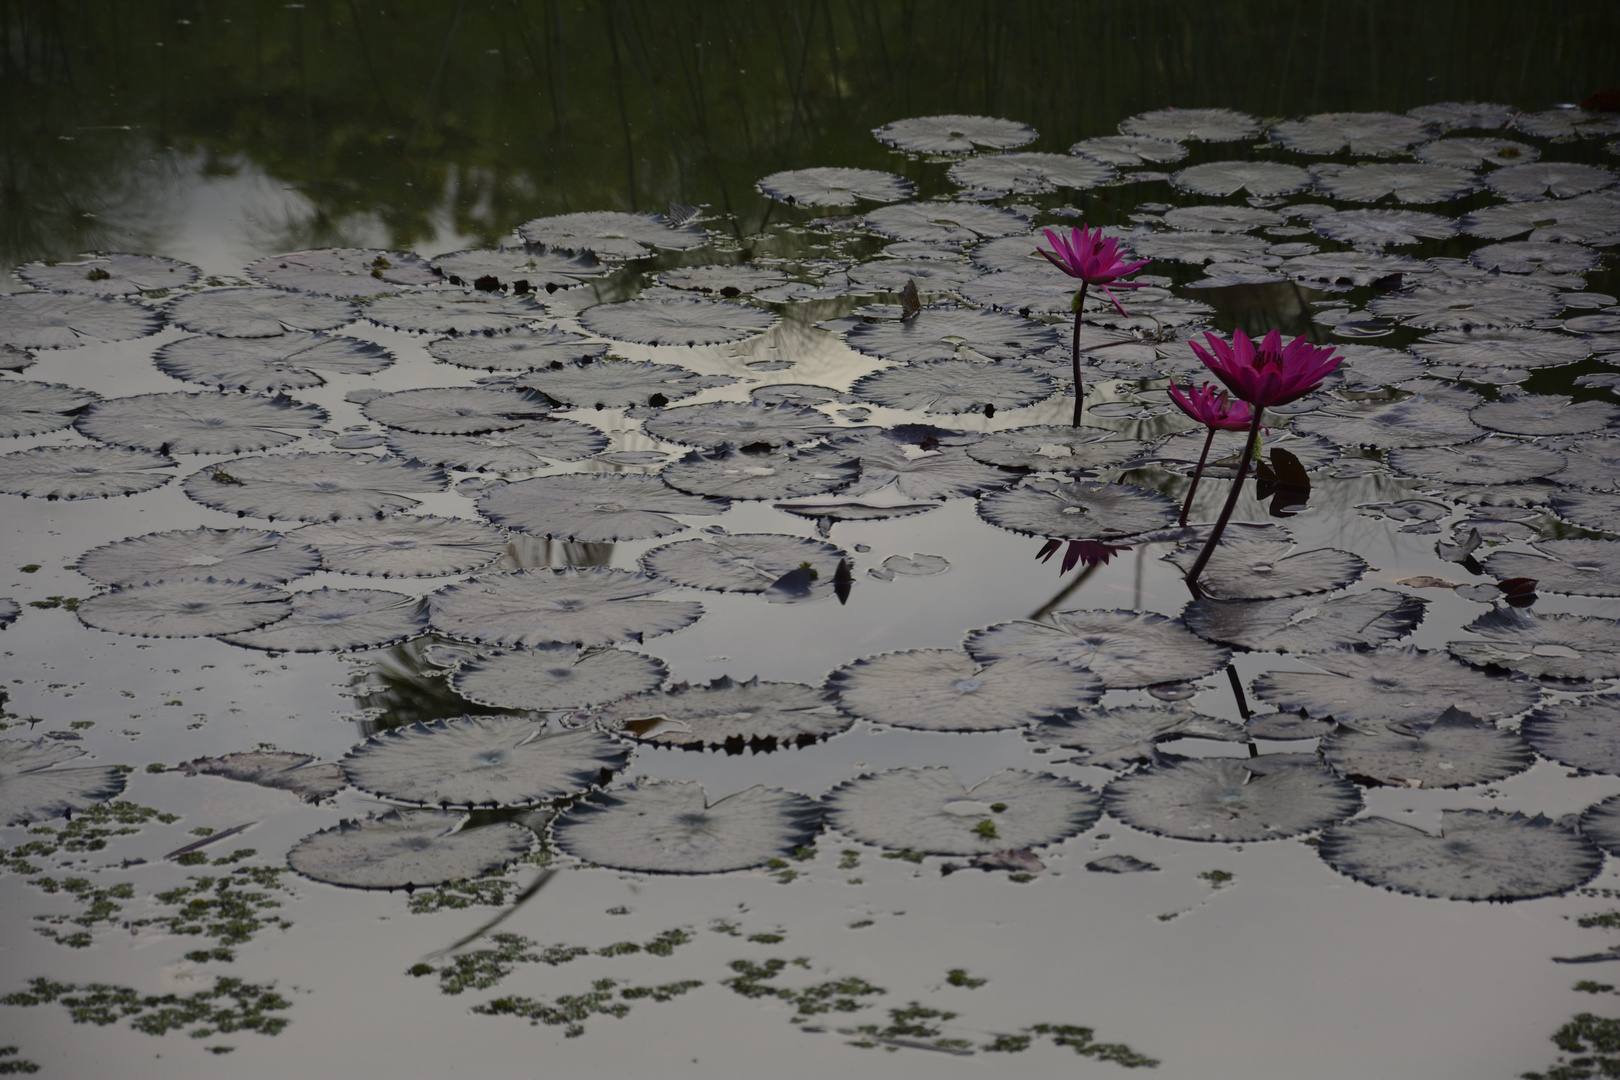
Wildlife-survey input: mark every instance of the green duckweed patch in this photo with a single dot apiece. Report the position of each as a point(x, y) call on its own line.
point(1591, 1046)
point(12, 1065)
point(960, 977)
point(230, 1005)
point(90, 831)
point(835, 995)
point(481, 969)
point(570, 1011)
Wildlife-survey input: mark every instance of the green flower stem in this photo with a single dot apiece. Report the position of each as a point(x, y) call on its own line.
point(1231, 502)
point(1197, 475)
point(1079, 387)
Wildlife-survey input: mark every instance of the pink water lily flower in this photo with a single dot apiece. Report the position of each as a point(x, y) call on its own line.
point(1090, 552)
point(1212, 407)
point(1092, 259)
point(1272, 374)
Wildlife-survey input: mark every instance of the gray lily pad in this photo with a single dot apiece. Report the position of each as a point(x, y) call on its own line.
point(535, 444)
point(896, 457)
point(1545, 646)
point(109, 275)
point(936, 334)
point(835, 187)
point(613, 384)
point(1562, 122)
point(1180, 452)
point(313, 487)
point(1463, 305)
point(1198, 247)
point(729, 280)
point(281, 770)
point(1029, 173)
point(250, 555)
point(339, 620)
point(182, 609)
point(1594, 510)
point(452, 311)
point(1034, 290)
point(1472, 153)
point(1129, 150)
point(611, 234)
point(472, 761)
point(1226, 178)
point(929, 810)
point(1470, 351)
point(676, 321)
point(1454, 750)
point(519, 350)
point(786, 474)
point(1077, 511)
point(41, 320)
point(1055, 448)
point(595, 508)
point(32, 408)
point(1545, 414)
point(1376, 229)
point(15, 359)
point(406, 545)
point(255, 313)
point(948, 690)
point(1407, 183)
point(1363, 133)
point(1583, 733)
point(405, 849)
point(1560, 179)
point(944, 222)
point(290, 361)
point(555, 677)
point(1220, 219)
point(953, 386)
point(1126, 649)
point(456, 410)
point(1576, 567)
point(1594, 464)
point(30, 790)
point(1582, 220)
point(520, 269)
point(931, 275)
point(1478, 855)
point(1465, 114)
point(1117, 737)
point(1263, 570)
point(725, 711)
point(1306, 624)
point(1204, 125)
point(953, 134)
point(1231, 800)
point(1011, 253)
point(736, 423)
point(82, 472)
point(1368, 367)
point(1362, 687)
point(595, 606)
point(1420, 420)
point(342, 271)
point(1489, 461)
point(669, 826)
point(199, 423)
point(740, 562)
point(1601, 824)
point(1529, 256)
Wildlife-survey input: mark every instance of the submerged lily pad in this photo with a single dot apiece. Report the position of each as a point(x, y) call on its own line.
point(835, 187)
point(724, 712)
point(250, 555)
point(82, 472)
point(929, 810)
point(1407, 183)
point(953, 386)
point(594, 606)
point(741, 562)
point(403, 545)
point(313, 487)
point(1129, 150)
point(1583, 733)
point(452, 311)
point(30, 790)
point(1259, 178)
point(282, 770)
point(1478, 855)
point(181, 609)
point(1231, 800)
point(1125, 649)
point(737, 423)
point(109, 275)
point(1489, 461)
point(518, 350)
point(1077, 511)
point(948, 690)
point(1362, 687)
point(1028, 173)
point(595, 508)
point(1205, 125)
point(611, 234)
point(1362, 132)
point(1420, 420)
point(535, 444)
point(944, 222)
point(256, 313)
point(1455, 749)
point(405, 849)
point(1548, 646)
point(1264, 570)
point(953, 134)
point(616, 383)
point(199, 423)
point(676, 321)
point(342, 271)
point(1306, 624)
point(1124, 735)
point(290, 361)
point(787, 474)
point(43, 320)
point(1575, 566)
point(1545, 414)
point(936, 334)
point(33, 408)
point(472, 761)
point(339, 620)
point(1560, 179)
point(554, 677)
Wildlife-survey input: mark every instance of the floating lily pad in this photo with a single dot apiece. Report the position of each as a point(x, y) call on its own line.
point(1594, 510)
point(1205, 125)
point(835, 187)
point(199, 423)
point(339, 620)
point(1601, 824)
point(1124, 735)
point(929, 810)
point(953, 386)
point(1528, 257)
point(554, 677)
point(1055, 448)
point(1478, 855)
point(1264, 570)
point(1465, 114)
point(725, 711)
point(535, 444)
point(1489, 461)
point(452, 311)
point(255, 313)
point(734, 474)
point(1593, 464)
point(616, 383)
point(737, 423)
point(728, 280)
point(109, 275)
point(936, 334)
point(403, 545)
point(1560, 179)
point(1218, 219)
point(405, 849)
point(1419, 420)
point(931, 275)
point(948, 690)
point(1231, 800)
point(248, 555)
point(676, 321)
point(595, 508)
point(1562, 122)
point(1259, 178)
point(1583, 733)
point(342, 271)
point(1471, 153)
point(610, 234)
point(290, 361)
point(520, 269)
point(1011, 253)
point(1362, 133)
point(1452, 750)
point(1180, 452)
point(30, 790)
point(32, 408)
point(595, 606)
point(1126, 649)
point(313, 487)
point(15, 359)
point(1077, 511)
point(1577, 567)
point(282, 770)
point(1407, 183)
point(895, 457)
point(1464, 305)
point(1035, 290)
point(519, 350)
point(41, 320)
point(1370, 367)
point(953, 134)
point(1486, 349)
point(456, 410)
point(669, 826)
point(944, 222)
point(473, 761)
point(1546, 646)
point(1361, 687)
point(1028, 173)
point(740, 562)
point(182, 609)
point(82, 472)
point(1306, 624)
point(1129, 150)
point(1545, 414)
point(1198, 247)
point(1581, 220)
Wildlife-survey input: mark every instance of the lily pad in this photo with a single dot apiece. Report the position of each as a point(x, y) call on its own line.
point(1464, 305)
point(1126, 649)
point(741, 562)
point(737, 423)
point(1129, 150)
point(1361, 132)
point(944, 222)
point(256, 313)
point(676, 321)
point(1362, 687)
point(290, 361)
point(109, 275)
point(1406, 183)
point(1601, 824)
point(1576, 567)
point(82, 472)
point(785, 474)
point(954, 134)
point(1028, 173)
point(1478, 855)
point(1055, 448)
point(521, 350)
point(281, 770)
point(1472, 153)
point(835, 187)
point(1594, 464)
point(456, 410)
point(594, 606)
point(937, 333)
point(1529, 256)
point(33, 408)
point(1220, 219)
point(931, 275)
point(1120, 736)
point(1489, 461)
point(555, 677)
point(40, 320)
point(724, 712)
point(1079, 510)
point(614, 384)
point(948, 690)
point(342, 271)
point(1011, 253)
point(1306, 624)
point(1368, 367)
point(1485, 349)
point(595, 508)
point(1562, 122)
point(1560, 179)
point(519, 269)
point(1419, 420)
point(403, 545)
point(929, 810)
point(183, 609)
point(1231, 800)
point(313, 487)
point(249, 555)
point(1583, 733)
point(1585, 219)
point(452, 311)
point(953, 386)
point(1264, 570)
point(1035, 290)
point(611, 234)
point(199, 423)
point(339, 620)
point(1453, 750)
point(535, 444)
point(1545, 646)
point(408, 849)
point(1203, 125)
point(669, 826)
point(1545, 414)
point(896, 460)
point(30, 790)
point(1465, 114)
point(1594, 510)
point(1259, 178)
point(729, 280)
point(1198, 247)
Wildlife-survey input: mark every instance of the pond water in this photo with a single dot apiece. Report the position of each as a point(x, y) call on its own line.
point(522, 530)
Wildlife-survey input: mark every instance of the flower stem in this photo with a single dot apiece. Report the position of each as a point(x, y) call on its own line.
point(1079, 387)
point(1197, 474)
point(1231, 500)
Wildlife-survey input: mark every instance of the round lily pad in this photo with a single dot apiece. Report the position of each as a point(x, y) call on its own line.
point(31, 790)
point(894, 461)
point(1593, 464)
point(249, 555)
point(1220, 219)
point(1117, 737)
point(1306, 624)
point(953, 386)
point(342, 271)
point(1360, 687)
point(948, 690)
point(1231, 800)
point(199, 423)
point(784, 474)
point(1055, 448)
point(518, 269)
point(1583, 733)
point(313, 487)
point(1558, 646)
point(339, 620)
point(1077, 511)
point(281, 770)
point(724, 712)
point(1408, 183)
point(554, 677)
point(1453, 749)
point(519, 350)
point(1468, 304)
point(42, 320)
point(404, 545)
point(1527, 257)
point(290, 361)
point(930, 275)
point(936, 334)
point(728, 279)
point(456, 410)
point(595, 508)
point(535, 444)
point(1375, 229)
point(1264, 570)
point(611, 234)
point(82, 472)
point(593, 606)
point(741, 562)
point(1595, 510)
point(1198, 247)
point(737, 423)
point(1601, 824)
point(616, 383)
point(1465, 114)
point(835, 187)
point(676, 321)
point(1585, 219)
point(1489, 461)
point(929, 810)
point(1032, 290)
point(1575, 566)
point(944, 223)
point(1487, 349)
point(1203, 125)
point(1472, 153)
point(453, 311)
point(1545, 414)
point(954, 134)
point(1225, 178)
point(256, 313)
point(1362, 132)
point(1560, 179)
point(1420, 420)
point(1129, 150)
point(1125, 649)
point(1028, 173)
point(180, 609)
point(408, 849)
point(33, 408)
point(109, 275)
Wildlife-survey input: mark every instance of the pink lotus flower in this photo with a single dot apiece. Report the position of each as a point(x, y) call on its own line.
point(1212, 407)
point(1095, 261)
point(1271, 375)
point(1090, 552)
